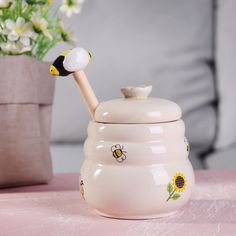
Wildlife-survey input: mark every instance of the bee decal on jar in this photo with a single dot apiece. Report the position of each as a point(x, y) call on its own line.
point(187, 144)
point(118, 152)
point(81, 188)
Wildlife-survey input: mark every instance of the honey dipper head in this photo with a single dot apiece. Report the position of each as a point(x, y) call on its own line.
point(70, 61)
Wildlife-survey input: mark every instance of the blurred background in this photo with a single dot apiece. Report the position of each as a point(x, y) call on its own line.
point(184, 48)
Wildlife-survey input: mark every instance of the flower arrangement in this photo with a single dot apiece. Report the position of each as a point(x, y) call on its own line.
point(30, 27)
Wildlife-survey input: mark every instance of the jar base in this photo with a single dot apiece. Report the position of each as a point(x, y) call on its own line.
point(138, 217)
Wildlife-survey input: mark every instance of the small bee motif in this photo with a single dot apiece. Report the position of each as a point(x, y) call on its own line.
point(81, 188)
point(118, 152)
point(187, 144)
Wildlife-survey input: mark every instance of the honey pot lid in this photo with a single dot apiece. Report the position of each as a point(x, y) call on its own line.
point(136, 107)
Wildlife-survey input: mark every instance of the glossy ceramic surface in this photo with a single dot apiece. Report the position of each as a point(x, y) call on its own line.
point(136, 108)
point(130, 170)
point(137, 168)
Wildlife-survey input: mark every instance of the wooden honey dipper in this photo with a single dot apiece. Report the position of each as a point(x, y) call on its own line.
point(73, 62)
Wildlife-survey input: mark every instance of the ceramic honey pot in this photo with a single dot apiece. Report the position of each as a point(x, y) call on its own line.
point(136, 156)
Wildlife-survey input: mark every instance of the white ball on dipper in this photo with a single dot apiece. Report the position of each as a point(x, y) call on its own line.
point(77, 59)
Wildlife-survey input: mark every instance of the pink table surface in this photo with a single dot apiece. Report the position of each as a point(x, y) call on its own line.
point(57, 209)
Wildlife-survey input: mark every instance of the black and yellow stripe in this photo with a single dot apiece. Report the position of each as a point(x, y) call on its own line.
point(58, 65)
point(117, 153)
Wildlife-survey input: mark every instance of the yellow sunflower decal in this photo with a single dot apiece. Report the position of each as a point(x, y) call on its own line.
point(179, 182)
point(177, 186)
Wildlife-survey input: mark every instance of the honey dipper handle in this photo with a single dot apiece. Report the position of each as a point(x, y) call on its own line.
point(86, 91)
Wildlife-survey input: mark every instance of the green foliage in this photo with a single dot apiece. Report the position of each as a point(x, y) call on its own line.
point(29, 27)
point(175, 196)
point(169, 188)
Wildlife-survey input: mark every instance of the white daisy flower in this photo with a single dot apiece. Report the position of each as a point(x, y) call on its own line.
point(4, 3)
point(71, 7)
point(10, 47)
point(19, 30)
point(41, 25)
point(24, 48)
point(14, 47)
point(7, 47)
point(66, 34)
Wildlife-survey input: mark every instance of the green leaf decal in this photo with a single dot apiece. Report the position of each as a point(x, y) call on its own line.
point(176, 196)
point(169, 188)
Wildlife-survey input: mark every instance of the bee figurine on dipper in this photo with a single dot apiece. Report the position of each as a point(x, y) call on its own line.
point(73, 62)
point(69, 61)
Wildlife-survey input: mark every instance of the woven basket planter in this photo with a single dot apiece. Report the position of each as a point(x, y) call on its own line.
point(26, 96)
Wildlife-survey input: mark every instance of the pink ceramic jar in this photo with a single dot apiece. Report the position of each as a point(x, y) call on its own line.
point(136, 158)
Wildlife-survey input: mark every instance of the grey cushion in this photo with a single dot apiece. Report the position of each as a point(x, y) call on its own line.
point(164, 43)
point(222, 159)
point(67, 157)
point(226, 72)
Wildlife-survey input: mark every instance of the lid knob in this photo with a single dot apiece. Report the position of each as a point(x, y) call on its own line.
point(140, 92)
